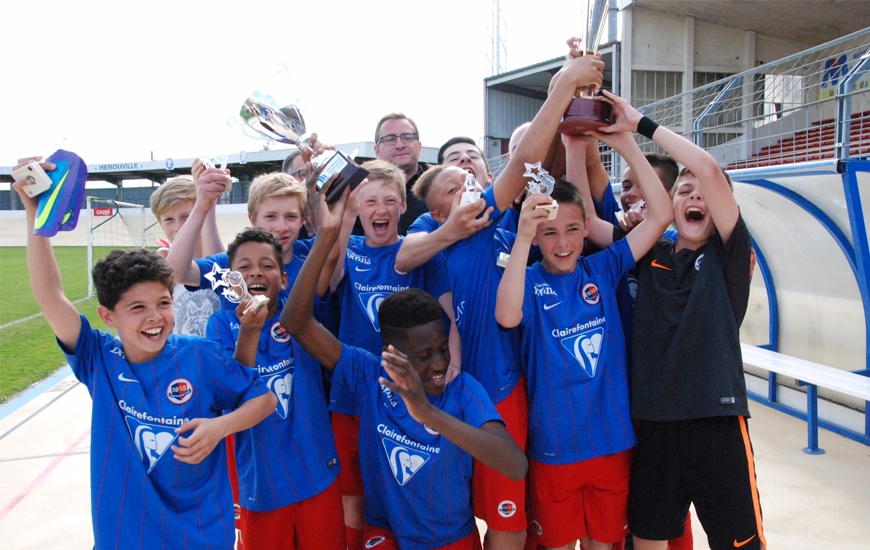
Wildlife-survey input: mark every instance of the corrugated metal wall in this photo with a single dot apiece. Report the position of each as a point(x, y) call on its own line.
point(504, 112)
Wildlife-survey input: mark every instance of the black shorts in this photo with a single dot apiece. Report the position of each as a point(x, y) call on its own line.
point(708, 462)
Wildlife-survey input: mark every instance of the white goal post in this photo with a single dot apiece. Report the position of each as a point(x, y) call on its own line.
point(113, 224)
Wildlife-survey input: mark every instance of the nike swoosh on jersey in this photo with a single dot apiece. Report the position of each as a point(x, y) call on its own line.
point(49, 204)
point(548, 307)
point(122, 378)
point(655, 263)
point(367, 269)
point(744, 543)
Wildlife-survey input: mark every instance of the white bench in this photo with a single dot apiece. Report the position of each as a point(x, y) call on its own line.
point(812, 375)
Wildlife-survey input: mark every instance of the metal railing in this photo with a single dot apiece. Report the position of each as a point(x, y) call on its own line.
point(812, 105)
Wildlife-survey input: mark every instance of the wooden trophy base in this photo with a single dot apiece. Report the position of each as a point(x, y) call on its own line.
point(585, 113)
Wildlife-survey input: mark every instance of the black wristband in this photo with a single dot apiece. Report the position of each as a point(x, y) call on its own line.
point(646, 127)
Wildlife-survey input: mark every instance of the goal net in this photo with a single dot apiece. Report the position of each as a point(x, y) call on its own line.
point(113, 224)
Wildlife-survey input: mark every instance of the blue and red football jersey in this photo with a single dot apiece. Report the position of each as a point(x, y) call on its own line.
point(417, 483)
point(141, 496)
point(290, 455)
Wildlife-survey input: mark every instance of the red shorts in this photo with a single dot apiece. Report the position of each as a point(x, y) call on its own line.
point(383, 539)
point(345, 428)
point(234, 486)
point(316, 522)
point(571, 501)
point(499, 501)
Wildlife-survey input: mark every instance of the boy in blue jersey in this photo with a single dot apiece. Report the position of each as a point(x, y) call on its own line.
point(276, 203)
point(287, 464)
point(574, 356)
point(418, 431)
point(475, 265)
point(688, 389)
point(157, 406)
point(363, 275)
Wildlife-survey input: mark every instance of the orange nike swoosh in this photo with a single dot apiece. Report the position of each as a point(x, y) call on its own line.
point(655, 263)
point(744, 543)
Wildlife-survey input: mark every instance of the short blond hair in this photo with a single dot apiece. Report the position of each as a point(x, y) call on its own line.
point(276, 184)
point(389, 172)
point(170, 193)
point(424, 183)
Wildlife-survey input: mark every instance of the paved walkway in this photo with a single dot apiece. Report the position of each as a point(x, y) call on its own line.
point(810, 502)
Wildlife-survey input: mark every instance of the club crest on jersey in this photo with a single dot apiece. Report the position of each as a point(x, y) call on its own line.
point(590, 294)
point(507, 508)
point(279, 334)
point(404, 462)
point(698, 262)
point(282, 386)
point(585, 347)
point(151, 440)
point(374, 541)
point(179, 391)
point(371, 302)
point(537, 527)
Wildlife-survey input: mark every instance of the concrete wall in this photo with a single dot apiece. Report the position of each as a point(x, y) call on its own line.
point(231, 218)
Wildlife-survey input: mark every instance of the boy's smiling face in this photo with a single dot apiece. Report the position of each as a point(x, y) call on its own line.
point(380, 207)
point(143, 318)
point(429, 353)
point(694, 223)
point(262, 272)
point(561, 239)
point(282, 217)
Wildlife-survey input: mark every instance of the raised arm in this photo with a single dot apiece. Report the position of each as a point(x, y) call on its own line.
point(717, 193)
point(45, 280)
point(659, 211)
point(576, 73)
point(511, 289)
point(250, 325)
point(578, 163)
point(489, 444)
point(599, 179)
point(209, 188)
point(464, 220)
point(210, 236)
point(298, 315)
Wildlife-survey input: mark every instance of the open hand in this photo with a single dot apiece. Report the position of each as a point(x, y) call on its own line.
point(405, 382)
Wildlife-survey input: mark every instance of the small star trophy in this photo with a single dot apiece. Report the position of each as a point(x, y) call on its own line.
point(542, 182)
point(586, 112)
point(236, 290)
point(471, 193)
point(219, 161)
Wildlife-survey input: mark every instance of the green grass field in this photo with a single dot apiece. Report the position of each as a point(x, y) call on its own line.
point(28, 350)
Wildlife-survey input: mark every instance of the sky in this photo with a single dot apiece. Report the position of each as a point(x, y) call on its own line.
point(120, 81)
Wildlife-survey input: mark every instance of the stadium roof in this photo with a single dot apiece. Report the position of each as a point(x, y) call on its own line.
point(245, 166)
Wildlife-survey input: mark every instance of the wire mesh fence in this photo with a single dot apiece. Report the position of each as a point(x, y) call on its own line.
point(809, 106)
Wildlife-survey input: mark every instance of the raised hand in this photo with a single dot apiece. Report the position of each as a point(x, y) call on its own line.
point(405, 382)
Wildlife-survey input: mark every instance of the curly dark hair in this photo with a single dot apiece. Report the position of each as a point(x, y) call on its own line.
point(404, 310)
point(121, 269)
point(257, 235)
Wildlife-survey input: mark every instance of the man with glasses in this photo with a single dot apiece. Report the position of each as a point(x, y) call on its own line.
point(397, 140)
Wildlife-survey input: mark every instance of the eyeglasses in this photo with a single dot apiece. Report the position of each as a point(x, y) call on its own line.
point(301, 174)
point(390, 139)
